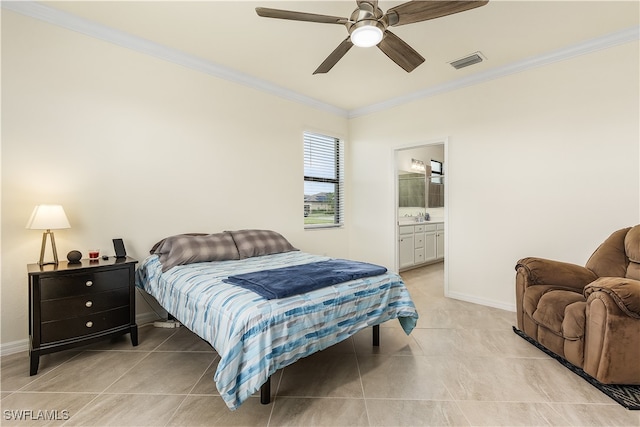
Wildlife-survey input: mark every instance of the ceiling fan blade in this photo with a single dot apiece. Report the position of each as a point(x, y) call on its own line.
point(334, 56)
point(299, 16)
point(423, 10)
point(400, 52)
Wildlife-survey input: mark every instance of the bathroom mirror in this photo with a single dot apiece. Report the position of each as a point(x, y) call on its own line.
point(412, 190)
point(420, 180)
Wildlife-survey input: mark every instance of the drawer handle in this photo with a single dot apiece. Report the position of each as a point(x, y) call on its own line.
point(88, 304)
point(89, 283)
point(89, 324)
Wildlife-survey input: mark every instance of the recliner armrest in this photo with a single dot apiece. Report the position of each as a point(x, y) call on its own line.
point(540, 271)
point(624, 292)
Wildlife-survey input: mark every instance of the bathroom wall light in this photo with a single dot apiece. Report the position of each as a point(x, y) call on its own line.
point(418, 165)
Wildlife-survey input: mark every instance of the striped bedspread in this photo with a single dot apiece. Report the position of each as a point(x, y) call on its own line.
point(255, 337)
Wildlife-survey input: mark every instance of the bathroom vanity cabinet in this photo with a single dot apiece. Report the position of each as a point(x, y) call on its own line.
point(420, 243)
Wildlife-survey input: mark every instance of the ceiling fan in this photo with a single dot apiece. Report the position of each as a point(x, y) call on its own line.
point(368, 25)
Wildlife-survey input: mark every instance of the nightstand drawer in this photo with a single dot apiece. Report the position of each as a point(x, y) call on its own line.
point(86, 325)
point(83, 283)
point(66, 308)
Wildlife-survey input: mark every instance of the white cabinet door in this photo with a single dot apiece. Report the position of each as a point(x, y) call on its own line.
point(429, 246)
point(440, 244)
point(407, 251)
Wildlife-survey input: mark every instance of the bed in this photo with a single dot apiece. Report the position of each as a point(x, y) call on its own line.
point(255, 336)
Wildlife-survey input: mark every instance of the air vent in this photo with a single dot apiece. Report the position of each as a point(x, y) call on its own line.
point(474, 58)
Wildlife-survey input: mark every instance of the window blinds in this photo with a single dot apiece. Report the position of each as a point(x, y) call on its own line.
point(323, 180)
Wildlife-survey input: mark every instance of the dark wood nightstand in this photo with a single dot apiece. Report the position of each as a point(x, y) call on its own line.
point(76, 304)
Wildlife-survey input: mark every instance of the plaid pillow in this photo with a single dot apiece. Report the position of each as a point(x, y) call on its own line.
point(155, 247)
point(252, 243)
point(186, 249)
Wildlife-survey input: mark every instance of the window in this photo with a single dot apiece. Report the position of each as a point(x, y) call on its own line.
point(323, 181)
point(436, 172)
point(436, 185)
point(436, 167)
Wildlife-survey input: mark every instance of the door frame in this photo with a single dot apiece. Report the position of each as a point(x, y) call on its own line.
point(438, 141)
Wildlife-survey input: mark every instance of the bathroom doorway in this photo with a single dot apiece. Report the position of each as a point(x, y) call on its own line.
point(421, 225)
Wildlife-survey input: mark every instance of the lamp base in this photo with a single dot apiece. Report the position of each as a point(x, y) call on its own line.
point(53, 245)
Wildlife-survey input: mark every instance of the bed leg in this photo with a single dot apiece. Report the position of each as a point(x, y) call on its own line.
point(265, 392)
point(376, 335)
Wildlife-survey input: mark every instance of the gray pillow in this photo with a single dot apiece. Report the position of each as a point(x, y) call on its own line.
point(155, 247)
point(186, 249)
point(251, 243)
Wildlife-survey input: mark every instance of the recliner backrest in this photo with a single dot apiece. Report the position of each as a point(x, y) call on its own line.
point(632, 247)
point(610, 259)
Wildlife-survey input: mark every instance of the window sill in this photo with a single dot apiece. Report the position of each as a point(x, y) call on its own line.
point(323, 226)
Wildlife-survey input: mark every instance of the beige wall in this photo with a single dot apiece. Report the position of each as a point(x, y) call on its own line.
point(541, 163)
point(138, 148)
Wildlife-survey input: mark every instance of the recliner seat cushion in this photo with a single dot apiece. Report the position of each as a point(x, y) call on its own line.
point(574, 321)
point(531, 297)
point(552, 309)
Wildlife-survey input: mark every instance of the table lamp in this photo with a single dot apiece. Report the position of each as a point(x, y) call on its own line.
point(48, 217)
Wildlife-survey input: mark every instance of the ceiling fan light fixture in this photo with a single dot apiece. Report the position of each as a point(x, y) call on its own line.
point(367, 35)
point(368, 25)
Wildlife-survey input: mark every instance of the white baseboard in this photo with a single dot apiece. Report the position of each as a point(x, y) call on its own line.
point(14, 347)
point(482, 301)
point(23, 345)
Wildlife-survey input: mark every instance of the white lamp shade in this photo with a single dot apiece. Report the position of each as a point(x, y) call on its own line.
point(366, 36)
point(48, 217)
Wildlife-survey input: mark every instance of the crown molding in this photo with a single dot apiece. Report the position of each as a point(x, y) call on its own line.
point(66, 20)
point(72, 22)
point(592, 45)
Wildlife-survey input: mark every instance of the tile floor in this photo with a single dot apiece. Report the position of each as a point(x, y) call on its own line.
point(462, 366)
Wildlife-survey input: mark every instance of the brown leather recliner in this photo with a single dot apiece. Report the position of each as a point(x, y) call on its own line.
point(588, 315)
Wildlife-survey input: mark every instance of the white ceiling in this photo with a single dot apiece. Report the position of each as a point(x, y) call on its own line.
point(285, 53)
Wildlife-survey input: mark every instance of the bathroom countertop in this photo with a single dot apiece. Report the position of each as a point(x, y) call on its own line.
point(412, 221)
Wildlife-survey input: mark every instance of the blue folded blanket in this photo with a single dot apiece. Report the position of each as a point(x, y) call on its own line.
point(286, 281)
